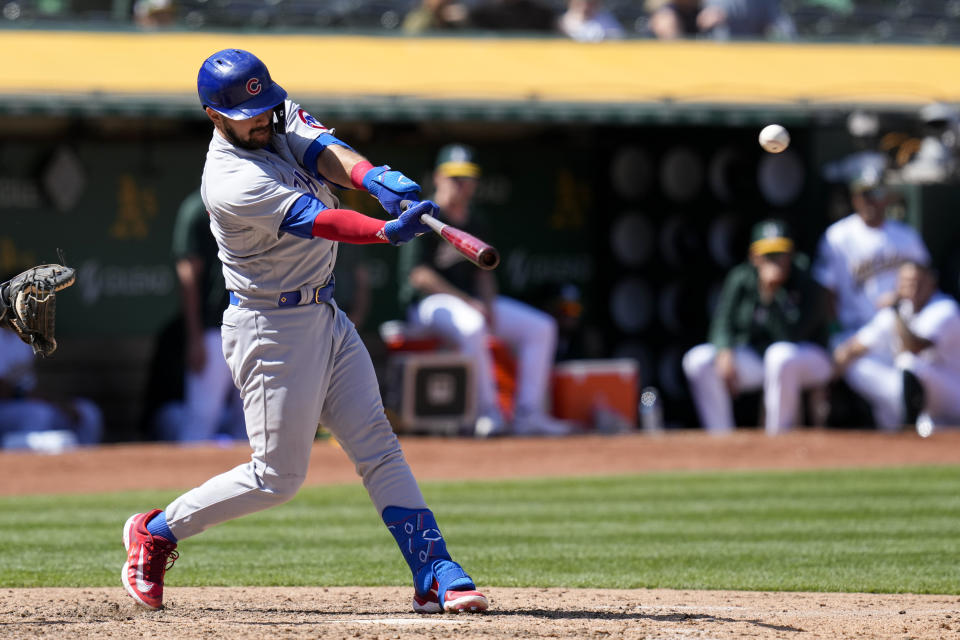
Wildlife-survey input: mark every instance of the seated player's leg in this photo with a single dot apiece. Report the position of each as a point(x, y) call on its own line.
point(464, 326)
point(940, 384)
point(532, 334)
point(789, 368)
point(880, 383)
point(710, 394)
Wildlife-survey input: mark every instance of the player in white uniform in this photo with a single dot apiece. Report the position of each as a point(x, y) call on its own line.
point(858, 256)
point(912, 345)
point(294, 355)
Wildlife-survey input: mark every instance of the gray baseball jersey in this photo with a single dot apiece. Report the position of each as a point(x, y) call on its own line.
point(247, 194)
point(296, 366)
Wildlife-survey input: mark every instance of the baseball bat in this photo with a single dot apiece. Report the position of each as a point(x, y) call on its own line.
point(471, 247)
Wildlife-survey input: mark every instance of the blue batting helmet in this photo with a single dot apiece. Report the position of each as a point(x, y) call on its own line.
point(236, 84)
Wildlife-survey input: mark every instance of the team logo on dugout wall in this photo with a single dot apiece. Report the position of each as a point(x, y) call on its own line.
point(309, 120)
point(253, 86)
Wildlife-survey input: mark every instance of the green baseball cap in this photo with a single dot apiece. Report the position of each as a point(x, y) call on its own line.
point(458, 161)
point(771, 236)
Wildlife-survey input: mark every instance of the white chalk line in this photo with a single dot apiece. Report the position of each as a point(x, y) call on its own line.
point(397, 621)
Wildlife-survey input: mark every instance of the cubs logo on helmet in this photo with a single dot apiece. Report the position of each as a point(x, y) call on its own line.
point(309, 120)
point(253, 86)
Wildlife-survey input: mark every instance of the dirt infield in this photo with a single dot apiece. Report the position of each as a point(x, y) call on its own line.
point(118, 467)
point(384, 612)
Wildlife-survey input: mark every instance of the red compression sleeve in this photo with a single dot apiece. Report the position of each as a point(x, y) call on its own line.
point(359, 170)
point(346, 225)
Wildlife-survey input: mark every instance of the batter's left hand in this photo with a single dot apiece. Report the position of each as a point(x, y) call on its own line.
point(390, 188)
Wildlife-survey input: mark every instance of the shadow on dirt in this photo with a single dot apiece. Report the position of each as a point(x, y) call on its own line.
point(552, 614)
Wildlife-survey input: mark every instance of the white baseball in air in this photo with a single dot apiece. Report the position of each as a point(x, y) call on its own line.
point(774, 138)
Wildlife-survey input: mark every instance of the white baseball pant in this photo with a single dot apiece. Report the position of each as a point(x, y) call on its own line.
point(531, 333)
point(880, 381)
point(207, 394)
point(786, 369)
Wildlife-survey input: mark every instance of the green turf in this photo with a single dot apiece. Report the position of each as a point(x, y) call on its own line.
point(882, 530)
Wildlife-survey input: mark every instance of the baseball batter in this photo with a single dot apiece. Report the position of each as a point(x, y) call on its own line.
point(294, 355)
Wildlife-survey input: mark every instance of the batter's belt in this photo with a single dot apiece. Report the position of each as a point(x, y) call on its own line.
point(304, 295)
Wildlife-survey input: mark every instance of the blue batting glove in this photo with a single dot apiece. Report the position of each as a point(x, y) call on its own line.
point(408, 226)
point(390, 188)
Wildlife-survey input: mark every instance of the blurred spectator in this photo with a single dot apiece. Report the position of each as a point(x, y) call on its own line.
point(747, 19)
point(768, 331)
point(858, 256)
point(908, 355)
point(153, 14)
point(435, 15)
point(459, 301)
point(40, 421)
point(935, 157)
point(589, 21)
point(672, 19)
point(513, 15)
point(719, 19)
point(211, 401)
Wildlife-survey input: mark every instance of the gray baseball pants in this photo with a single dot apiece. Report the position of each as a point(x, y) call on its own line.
point(297, 367)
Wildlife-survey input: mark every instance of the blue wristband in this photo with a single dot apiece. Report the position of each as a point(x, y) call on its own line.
point(390, 188)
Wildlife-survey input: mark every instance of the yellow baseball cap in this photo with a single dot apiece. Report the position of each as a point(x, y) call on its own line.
point(771, 236)
point(457, 161)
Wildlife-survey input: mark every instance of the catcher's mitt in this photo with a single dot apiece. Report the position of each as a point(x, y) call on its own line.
point(28, 303)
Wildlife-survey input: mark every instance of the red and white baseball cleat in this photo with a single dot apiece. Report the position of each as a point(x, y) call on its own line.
point(148, 558)
point(453, 602)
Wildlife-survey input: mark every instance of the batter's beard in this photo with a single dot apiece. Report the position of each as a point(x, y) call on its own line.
point(250, 144)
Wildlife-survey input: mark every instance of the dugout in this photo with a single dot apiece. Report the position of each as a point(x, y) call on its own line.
point(629, 169)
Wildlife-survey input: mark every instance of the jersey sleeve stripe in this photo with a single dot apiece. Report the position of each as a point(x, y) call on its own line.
point(300, 216)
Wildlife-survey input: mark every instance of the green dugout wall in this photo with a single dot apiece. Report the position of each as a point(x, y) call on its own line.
point(631, 170)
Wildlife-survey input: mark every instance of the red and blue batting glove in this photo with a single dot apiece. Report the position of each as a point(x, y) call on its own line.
point(389, 187)
point(408, 226)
